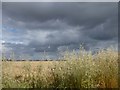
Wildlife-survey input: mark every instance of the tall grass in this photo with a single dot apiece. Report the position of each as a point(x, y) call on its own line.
point(80, 70)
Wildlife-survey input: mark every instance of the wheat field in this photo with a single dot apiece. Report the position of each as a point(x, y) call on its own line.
point(79, 70)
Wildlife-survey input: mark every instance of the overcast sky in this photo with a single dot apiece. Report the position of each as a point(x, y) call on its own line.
point(30, 29)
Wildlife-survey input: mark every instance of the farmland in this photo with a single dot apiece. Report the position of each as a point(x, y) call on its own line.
point(81, 70)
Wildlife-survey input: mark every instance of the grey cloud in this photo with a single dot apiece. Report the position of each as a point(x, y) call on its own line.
point(52, 27)
point(72, 13)
point(105, 31)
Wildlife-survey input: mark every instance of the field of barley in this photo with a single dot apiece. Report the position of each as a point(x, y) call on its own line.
point(79, 70)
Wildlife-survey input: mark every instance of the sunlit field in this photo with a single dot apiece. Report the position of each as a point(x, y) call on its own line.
point(78, 70)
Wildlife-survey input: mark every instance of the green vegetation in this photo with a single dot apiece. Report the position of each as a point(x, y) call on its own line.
point(80, 70)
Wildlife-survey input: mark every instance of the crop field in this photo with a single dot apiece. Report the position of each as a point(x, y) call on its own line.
point(79, 70)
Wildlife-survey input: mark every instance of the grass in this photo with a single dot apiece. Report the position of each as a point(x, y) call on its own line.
point(80, 70)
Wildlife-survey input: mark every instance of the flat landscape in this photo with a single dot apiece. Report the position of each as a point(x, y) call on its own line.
point(59, 45)
point(82, 70)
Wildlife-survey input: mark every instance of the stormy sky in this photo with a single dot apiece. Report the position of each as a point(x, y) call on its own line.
point(30, 29)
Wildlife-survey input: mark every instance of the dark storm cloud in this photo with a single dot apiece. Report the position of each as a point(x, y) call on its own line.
point(52, 27)
point(88, 15)
point(105, 31)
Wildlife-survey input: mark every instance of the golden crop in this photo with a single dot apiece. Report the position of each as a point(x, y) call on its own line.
point(80, 70)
